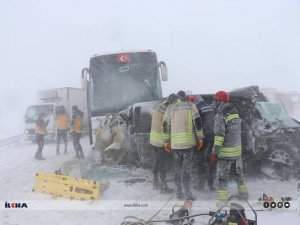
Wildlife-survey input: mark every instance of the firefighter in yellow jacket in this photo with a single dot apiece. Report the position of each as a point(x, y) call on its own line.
point(156, 140)
point(76, 129)
point(40, 132)
point(182, 130)
point(62, 123)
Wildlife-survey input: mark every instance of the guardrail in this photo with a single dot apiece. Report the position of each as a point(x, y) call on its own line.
point(11, 140)
point(8, 141)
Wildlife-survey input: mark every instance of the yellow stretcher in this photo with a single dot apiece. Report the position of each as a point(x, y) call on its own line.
point(66, 186)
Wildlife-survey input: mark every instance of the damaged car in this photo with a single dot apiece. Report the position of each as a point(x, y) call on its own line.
point(270, 137)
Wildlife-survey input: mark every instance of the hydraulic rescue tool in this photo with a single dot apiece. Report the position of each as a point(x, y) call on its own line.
point(236, 214)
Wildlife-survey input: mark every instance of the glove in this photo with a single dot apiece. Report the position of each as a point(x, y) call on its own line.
point(213, 158)
point(199, 144)
point(166, 147)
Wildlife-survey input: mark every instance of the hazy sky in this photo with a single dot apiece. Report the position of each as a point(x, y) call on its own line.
point(207, 45)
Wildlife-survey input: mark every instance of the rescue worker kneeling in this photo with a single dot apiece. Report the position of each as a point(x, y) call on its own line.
point(181, 124)
point(156, 140)
point(227, 149)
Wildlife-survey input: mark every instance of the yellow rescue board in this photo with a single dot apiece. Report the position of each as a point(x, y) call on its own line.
point(66, 186)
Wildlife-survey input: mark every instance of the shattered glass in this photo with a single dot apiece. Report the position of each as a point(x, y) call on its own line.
point(274, 112)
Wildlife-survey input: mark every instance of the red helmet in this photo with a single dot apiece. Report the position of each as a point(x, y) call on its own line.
point(222, 96)
point(192, 98)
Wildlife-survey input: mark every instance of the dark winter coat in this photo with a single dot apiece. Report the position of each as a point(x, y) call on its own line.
point(206, 112)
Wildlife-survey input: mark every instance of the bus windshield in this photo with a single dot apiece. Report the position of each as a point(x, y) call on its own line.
point(33, 112)
point(116, 85)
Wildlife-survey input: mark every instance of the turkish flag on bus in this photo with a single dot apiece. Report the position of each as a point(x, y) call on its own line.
point(123, 58)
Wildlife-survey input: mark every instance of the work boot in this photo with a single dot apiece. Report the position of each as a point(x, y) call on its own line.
point(38, 156)
point(164, 189)
point(41, 158)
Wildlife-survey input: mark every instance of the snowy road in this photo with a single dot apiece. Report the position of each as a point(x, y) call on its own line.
point(18, 170)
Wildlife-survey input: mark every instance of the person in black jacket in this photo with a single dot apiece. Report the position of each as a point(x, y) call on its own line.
point(206, 170)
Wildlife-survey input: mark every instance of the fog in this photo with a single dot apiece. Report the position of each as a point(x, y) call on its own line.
point(207, 45)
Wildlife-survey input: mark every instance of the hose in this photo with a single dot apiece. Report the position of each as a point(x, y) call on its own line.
point(142, 222)
point(180, 218)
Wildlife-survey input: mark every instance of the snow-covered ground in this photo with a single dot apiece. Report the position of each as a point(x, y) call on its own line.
point(18, 169)
point(8, 133)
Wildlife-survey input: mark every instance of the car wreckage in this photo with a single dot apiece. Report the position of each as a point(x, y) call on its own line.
point(270, 137)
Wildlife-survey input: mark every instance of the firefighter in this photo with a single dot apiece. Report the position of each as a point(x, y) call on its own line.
point(156, 140)
point(227, 149)
point(62, 122)
point(182, 131)
point(40, 132)
point(206, 170)
point(75, 130)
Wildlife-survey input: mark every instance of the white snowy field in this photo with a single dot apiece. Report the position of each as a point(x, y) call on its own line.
point(18, 169)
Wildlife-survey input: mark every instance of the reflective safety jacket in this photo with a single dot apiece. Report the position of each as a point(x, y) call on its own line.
point(182, 125)
point(156, 137)
point(227, 129)
point(76, 122)
point(40, 126)
point(62, 121)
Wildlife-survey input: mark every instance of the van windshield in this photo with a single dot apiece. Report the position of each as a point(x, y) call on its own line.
point(33, 112)
point(274, 112)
